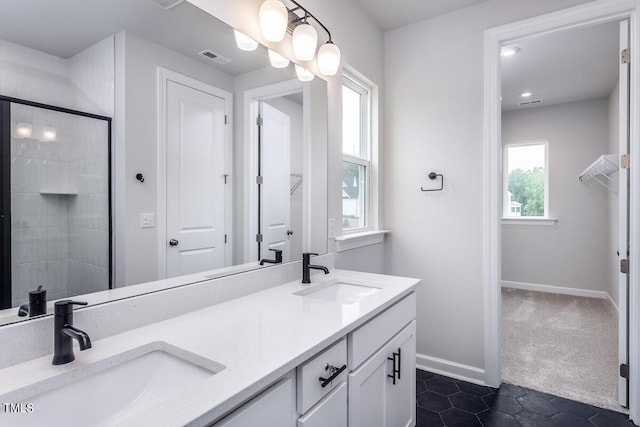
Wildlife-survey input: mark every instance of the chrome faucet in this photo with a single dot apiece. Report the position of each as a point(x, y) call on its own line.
point(64, 333)
point(306, 267)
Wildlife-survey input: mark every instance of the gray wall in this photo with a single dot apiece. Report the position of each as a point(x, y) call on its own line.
point(574, 252)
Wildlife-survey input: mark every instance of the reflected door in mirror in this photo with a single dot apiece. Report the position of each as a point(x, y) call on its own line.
point(196, 220)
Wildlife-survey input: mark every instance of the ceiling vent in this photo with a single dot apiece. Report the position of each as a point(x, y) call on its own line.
point(165, 4)
point(214, 57)
point(532, 102)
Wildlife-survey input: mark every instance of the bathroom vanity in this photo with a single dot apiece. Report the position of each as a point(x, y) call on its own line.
point(340, 351)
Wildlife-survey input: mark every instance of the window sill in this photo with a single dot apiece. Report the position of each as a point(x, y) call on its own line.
point(358, 240)
point(530, 221)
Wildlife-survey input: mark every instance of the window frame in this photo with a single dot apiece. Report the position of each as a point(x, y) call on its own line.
point(365, 90)
point(505, 182)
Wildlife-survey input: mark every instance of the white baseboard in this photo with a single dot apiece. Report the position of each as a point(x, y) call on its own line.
point(560, 290)
point(450, 369)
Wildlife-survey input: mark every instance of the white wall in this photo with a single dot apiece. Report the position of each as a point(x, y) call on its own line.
point(572, 253)
point(434, 101)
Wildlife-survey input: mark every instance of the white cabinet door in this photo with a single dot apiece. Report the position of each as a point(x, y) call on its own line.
point(402, 405)
point(374, 399)
point(274, 407)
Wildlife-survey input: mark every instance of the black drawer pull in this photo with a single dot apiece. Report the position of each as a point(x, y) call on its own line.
point(326, 381)
point(396, 369)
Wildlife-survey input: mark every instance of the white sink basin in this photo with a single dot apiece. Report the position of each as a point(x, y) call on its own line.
point(114, 389)
point(340, 291)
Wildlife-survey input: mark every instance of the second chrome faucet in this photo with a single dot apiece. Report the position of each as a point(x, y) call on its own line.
point(306, 267)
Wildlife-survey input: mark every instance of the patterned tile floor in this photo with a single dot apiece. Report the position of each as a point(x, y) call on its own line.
point(443, 401)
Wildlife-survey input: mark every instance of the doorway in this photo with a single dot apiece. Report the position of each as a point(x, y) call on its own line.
point(275, 182)
point(580, 16)
point(561, 183)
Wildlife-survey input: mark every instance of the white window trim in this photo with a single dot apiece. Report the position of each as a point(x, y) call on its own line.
point(358, 240)
point(525, 220)
point(368, 151)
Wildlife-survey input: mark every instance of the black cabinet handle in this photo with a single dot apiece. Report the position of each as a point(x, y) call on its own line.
point(326, 381)
point(397, 367)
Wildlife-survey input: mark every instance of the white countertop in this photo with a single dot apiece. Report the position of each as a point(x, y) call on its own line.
point(258, 338)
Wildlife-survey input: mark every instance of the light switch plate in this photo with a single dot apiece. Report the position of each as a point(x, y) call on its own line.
point(332, 226)
point(147, 220)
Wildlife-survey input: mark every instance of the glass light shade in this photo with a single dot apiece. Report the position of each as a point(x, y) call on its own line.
point(305, 42)
point(48, 134)
point(24, 130)
point(245, 42)
point(274, 18)
point(277, 60)
point(303, 74)
point(329, 59)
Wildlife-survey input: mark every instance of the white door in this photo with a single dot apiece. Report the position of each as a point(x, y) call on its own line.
point(623, 217)
point(195, 180)
point(275, 170)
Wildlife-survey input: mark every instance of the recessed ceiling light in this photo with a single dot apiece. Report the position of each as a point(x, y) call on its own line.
point(509, 51)
point(525, 94)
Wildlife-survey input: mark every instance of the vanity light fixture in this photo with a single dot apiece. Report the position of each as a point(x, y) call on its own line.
point(304, 36)
point(245, 42)
point(305, 41)
point(274, 17)
point(24, 130)
point(507, 51)
point(277, 60)
point(525, 94)
point(303, 74)
point(48, 134)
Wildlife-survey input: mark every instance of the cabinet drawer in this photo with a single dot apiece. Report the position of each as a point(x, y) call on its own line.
point(310, 387)
point(365, 340)
point(331, 411)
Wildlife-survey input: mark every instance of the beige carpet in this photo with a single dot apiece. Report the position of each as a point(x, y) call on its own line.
point(562, 345)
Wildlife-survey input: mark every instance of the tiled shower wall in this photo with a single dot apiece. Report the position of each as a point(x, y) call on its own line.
point(59, 240)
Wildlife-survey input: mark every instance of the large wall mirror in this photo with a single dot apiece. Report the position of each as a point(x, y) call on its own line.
point(141, 144)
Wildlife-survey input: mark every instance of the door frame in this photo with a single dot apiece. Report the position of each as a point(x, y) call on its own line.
point(164, 76)
point(579, 16)
point(252, 98)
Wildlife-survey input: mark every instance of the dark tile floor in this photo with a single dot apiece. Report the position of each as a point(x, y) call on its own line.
point(443, 401)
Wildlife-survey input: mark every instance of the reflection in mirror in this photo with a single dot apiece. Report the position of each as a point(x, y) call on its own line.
point(211, 152)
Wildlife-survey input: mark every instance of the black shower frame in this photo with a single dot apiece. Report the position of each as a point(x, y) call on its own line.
point(5, 187)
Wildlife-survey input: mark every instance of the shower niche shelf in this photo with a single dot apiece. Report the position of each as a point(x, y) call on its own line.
point(59, 192)
point(602, 167)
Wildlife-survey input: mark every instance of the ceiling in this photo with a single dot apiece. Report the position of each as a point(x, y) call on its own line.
point(393, 14)
point(66, 27)
point(565, 66)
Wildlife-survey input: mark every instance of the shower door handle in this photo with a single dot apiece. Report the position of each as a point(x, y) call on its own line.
point(173, 242)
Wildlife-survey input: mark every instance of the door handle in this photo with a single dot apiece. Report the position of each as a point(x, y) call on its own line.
point(396, 359)
point(173, 242)
point(289, 232)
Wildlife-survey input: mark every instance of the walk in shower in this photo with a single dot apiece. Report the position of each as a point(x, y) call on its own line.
point(55, 201)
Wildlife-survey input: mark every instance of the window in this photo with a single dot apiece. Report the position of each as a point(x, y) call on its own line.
point(526, 192)
point(356, 160)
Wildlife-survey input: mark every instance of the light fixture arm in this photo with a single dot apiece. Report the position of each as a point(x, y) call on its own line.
point(308, 14)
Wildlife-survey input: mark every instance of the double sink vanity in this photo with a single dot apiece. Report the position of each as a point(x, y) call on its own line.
point(339, 351)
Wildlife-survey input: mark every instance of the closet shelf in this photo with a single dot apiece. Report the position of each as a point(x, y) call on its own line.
point(602, 167)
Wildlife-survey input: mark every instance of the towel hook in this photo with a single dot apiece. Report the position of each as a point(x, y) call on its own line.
point(432, 176)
